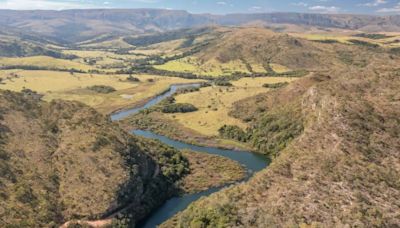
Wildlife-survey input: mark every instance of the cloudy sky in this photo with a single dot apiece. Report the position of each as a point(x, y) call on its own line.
point(220, 6)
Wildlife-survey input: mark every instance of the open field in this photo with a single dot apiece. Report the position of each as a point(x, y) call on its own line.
point(213, 112)
point(45, 61)
point(209, 68)
point(63, 85)
point(104, 59)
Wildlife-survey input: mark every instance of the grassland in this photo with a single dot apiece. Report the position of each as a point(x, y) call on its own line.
point(45, 62)
point(210, 68)
point(104, 60)
point(213, 112)
point(108, 44)
point(63, 85)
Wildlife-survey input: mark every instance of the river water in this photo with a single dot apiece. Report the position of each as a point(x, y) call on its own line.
point(253, 162)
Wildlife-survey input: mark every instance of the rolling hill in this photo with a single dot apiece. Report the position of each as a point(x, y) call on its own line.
point(225, 51)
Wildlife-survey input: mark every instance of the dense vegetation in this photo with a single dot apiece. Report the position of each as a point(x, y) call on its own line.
point(364, 43)
point(275, 85)
point(374, 36)
point(22, 49)
point(187, 90)
point(178, 108)
point(166, 36)
point(222, 83)
point(32, 67)
point(233, 132)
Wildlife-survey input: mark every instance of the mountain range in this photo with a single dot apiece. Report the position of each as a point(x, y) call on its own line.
point(70, 26)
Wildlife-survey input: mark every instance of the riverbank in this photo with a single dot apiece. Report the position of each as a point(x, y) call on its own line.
point(212, 168)
point(156, 122)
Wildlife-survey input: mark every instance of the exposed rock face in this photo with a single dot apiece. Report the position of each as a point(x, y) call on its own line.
point(63, 160)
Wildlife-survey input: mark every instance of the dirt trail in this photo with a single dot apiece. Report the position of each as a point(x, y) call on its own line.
point(95, 224)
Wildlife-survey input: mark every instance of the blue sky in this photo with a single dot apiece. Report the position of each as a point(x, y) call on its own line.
point(220, 6)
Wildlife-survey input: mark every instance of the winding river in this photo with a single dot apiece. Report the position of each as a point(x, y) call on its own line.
point(252, 161)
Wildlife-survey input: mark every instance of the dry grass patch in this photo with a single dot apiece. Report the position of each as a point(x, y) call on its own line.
point(63, 85)
point(44, 61)
point(214, 104)
point(212, 67)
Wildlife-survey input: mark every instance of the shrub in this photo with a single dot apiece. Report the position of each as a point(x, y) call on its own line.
point(374, 36)
point(102, 89)
point(233, 132)
point(275, 85)
point(133, 79)
point(222, 83)
point(205, 84)
point(364, 43)
point(327, 41)
point(395, 51)
point(274, 131)
point(179, 108)
point(187, 90)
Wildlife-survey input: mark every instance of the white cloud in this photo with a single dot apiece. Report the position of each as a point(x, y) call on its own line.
point(43, 4)
point(325, 9)
point(303, 4)
point(394, 9)
point(221, 3)
point(255, 8)
point(374, 3)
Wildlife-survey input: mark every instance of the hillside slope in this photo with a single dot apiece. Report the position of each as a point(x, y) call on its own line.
point(63, 160)
point(225, 51)
point(261, 47)
point(340, 170)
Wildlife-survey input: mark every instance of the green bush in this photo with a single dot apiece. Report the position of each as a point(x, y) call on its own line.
point(179, 108)
point(327, 41)
point(133, 79)
point(274, 131)
point(275, 85)
point(233, 132)
point(364, 43)
point(222, 83)
point(187, 90)
point(102, 89)
point(374, 36)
